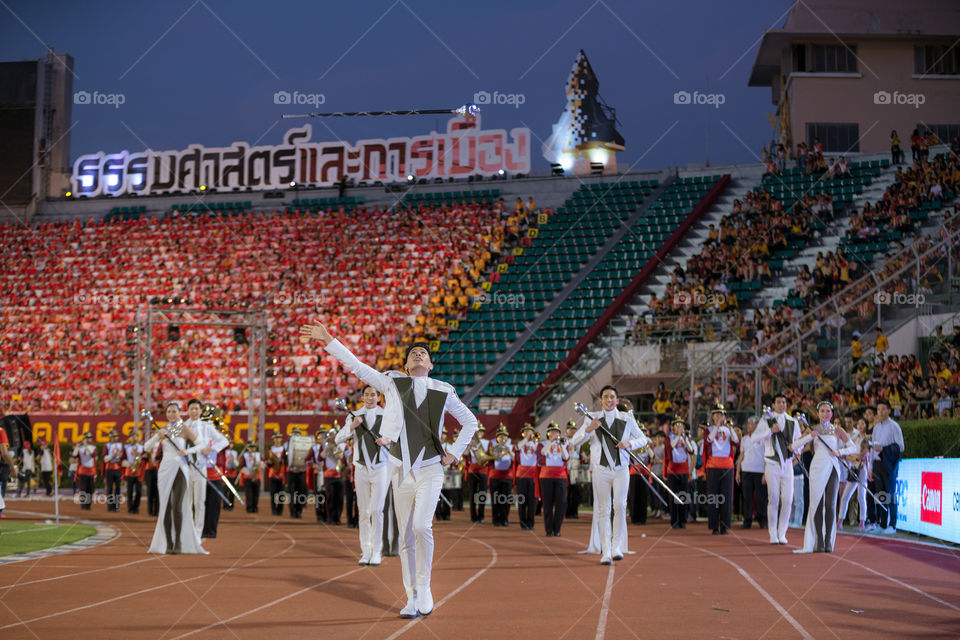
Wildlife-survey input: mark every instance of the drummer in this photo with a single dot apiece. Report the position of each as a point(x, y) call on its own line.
point(450, 477)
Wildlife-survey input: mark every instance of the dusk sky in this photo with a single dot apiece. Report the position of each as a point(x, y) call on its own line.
point(206, 71)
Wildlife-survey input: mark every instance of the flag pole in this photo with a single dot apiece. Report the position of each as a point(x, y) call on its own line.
point(56, 477)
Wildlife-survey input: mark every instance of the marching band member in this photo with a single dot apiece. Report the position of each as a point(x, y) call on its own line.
point(8, 467)
point(150, 464)
point(250, 466)
point(777, 431)
point(215, 470)
point(275, 474)
point(86, 455)
point(830, 443)
point(610, 473)
point(175, 531)
point(677, 450)
point(749, 475)
point(296, 478)
point(553, 479)
point(112, 471)
point(46, 466)
point(371, 473)
point(414, 413)
point(857, 479)
point(527, 472)
point(332, 457)
point(315, 475)
point(477, 476)
point(718, 455)
point(501, 477)
point(574, 464)
point(133, 471)
point(208, 444)
point(230, 465)
point(442, 512)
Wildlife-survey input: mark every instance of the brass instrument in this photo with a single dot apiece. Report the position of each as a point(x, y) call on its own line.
point(499, 450)
point(134, 468)
point(482, 456)
point(274, 461)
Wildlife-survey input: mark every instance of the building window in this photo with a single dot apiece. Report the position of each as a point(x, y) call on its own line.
point(836, 137)
point(938, 59)
point(945, 132)
point(821, 58)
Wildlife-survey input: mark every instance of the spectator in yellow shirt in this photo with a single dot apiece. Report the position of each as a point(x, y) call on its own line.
point(882, 343)
point(856, 347)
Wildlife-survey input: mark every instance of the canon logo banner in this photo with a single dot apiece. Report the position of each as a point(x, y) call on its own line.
point(931, 492)
point(928, 497)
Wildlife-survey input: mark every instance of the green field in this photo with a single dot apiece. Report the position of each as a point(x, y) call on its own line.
point(21, 537)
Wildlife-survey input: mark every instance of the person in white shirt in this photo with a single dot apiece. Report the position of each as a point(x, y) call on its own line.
point(888, 449)
point(413, 416)
point(501, 477)
point(750, 477)
point(777, 431)
point(46, 466)
point(856, 480)
point(209, 443)
point(371, 473)
point(611, 473)
point(27, 468)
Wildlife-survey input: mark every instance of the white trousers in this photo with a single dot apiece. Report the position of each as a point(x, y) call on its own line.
point(779, 477)
point(861, 488)
point(415, 500)
point(198, 492)
point(371, 486)
point(606, 480)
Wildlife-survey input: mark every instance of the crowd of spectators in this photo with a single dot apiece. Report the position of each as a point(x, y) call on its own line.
point(380, 279)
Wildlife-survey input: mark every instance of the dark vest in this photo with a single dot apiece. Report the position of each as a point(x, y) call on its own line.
point(421, 424)
point(617, 432)
point(783, 439)
point(367, 440)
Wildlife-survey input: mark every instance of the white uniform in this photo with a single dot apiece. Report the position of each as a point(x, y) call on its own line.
point(416, 481)
point(371, 478)
point(614, 476)
point(825, 473)
point(207, 436)
point(778, 472)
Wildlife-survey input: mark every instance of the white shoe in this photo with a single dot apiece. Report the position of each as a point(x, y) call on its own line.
point(783, 540)
point(363, 561)
point(374, 561)
point(801, 551)
point(410, 611)
point(888, 530)
point(774, 541)
point(605, 560)
point(424, 601)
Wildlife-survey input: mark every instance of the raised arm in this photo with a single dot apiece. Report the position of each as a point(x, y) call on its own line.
point(368, 374)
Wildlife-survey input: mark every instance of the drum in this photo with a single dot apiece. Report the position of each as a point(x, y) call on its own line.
point(452, 479)
point(583, 476)
point(297, 449)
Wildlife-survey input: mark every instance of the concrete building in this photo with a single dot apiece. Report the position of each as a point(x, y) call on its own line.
point(850, 71)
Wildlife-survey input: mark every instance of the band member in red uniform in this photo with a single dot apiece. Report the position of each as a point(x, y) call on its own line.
point(296, 478)
point(250, 467)
point(86, 454)
point(231, 467)
point(151, 464)
point(676, 461)
point(133, 471)
point(315, 475)
point(501, 477)
point(112, 470)
point(527, 472)
point(332, 457)
point(477, 476)
point(718, 456)
point(553, 480)
point(276, 473)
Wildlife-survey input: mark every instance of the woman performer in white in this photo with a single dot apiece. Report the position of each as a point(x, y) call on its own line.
point(830, 442)
point(175, 532)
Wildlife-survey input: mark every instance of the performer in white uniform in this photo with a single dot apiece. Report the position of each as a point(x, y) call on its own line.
point(371, 474)
point(857, 480)
point(414, 411)
point(209, 443)
point(611, 471)
point(829, 444)
point(174, 532)
point(778, 434)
